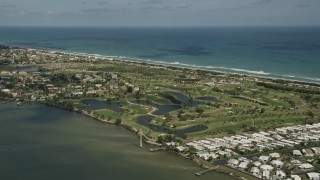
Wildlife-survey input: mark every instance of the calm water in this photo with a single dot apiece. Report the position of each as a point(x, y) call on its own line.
point(286, 52)
point(145, 119)
point(40, 142)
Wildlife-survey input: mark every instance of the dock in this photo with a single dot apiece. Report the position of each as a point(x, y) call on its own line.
point(205, 171)
point(157, 149)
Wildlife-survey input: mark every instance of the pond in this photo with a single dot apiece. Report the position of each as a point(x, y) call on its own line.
point(184, 99)
point(207, 98)
point(146, 119)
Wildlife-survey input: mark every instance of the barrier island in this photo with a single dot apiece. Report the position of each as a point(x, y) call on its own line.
point(209, 117)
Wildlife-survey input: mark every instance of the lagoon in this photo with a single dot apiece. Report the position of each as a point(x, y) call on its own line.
point(41, 142)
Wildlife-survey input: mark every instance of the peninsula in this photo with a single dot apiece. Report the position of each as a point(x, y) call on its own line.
point(246, 126)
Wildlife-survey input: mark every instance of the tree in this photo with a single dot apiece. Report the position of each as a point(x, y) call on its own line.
point(160, 139)
point(200, 110)
point(311, 114)
point(168, 116)
point(118, 121)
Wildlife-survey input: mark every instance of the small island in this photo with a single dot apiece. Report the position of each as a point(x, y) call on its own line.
point(245, 126)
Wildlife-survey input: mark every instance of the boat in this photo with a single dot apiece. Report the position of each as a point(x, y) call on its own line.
point(19, 103)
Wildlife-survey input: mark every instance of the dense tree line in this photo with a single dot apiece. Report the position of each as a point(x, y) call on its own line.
point(68, 105)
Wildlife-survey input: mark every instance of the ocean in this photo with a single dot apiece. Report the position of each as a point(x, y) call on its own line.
point(278, 52)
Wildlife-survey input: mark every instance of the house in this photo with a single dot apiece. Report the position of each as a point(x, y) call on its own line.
point(224, 153)
point(266, 174)
point(6, 91)
point(274, 155)
point(98, 86)
point(316, 150)
point(305, 166)
point(295, 162)
point(33, 98)
point(243, 159)
point(313, 176)
point(297, 153)
point(181, 148)
point(279, 175)
point(212, 155)
point(22, 73)
point(5, 73)
point(278, 137)
point(204, 155)
point(295, 177)
point(264, 159)
point(266, 167)
point(256, 163)
point(243, 165)
point(277, 163)
point(255, 171)
point(307, 152)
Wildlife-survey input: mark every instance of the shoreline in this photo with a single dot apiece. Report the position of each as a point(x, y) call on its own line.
point(312, 80)
point(128, 127)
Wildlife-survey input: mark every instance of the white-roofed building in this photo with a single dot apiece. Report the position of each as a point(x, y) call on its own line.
point(243, 165)
point(266, 174)
point(307, 152)
point(233, 162)
point(313, 176)
point(255, 171)
point(316, 150)
point(297, 153)
point(295, 177)
point(266, 167)
point(277, 163)
point(305, 166)
point(274, 155)
point(256, 163)
point(264, 159)
point(295, 162)
point(280, 174)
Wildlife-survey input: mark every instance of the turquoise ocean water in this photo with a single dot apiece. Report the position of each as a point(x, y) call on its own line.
point(279, 52)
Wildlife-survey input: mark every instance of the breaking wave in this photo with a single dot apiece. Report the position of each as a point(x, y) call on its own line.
point(222, 69)
point(212, 68)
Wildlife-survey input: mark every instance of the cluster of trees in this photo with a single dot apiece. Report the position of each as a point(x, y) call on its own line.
point(5, 61)
point(166, 138)
point(118, 121)
point(68, 105)
point(4, 95)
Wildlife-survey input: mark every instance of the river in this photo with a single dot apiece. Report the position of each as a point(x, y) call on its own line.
point(41, 142)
